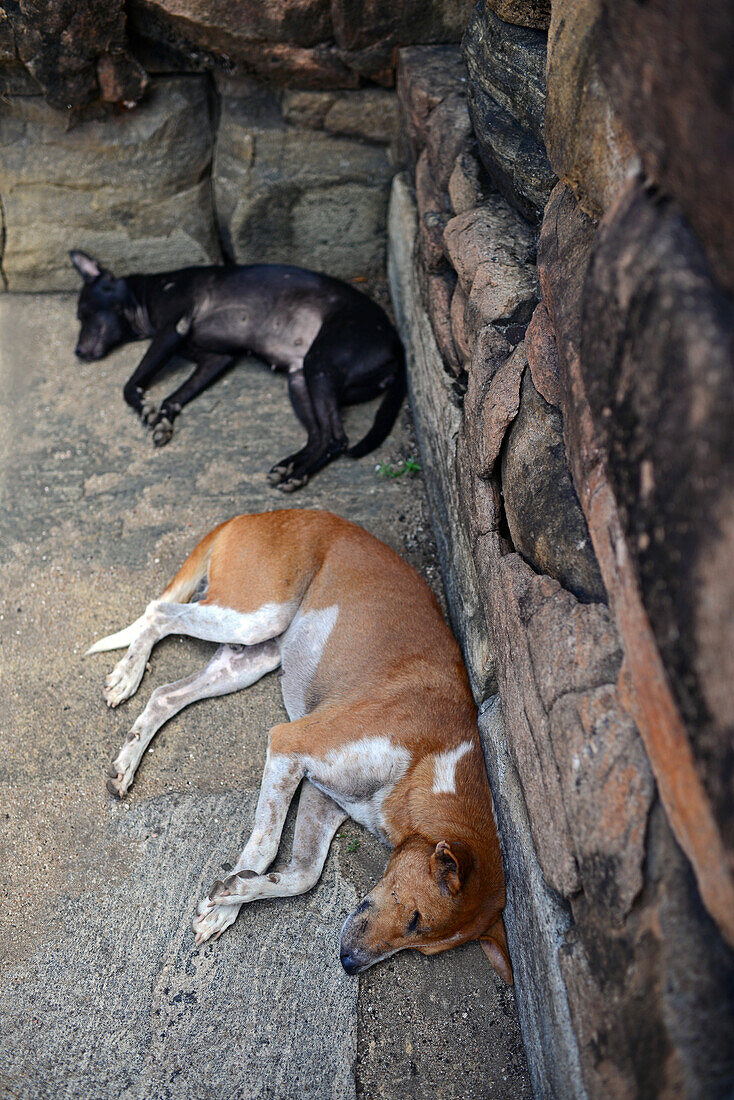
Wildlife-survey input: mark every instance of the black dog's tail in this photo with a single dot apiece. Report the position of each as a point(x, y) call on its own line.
point(386, 414)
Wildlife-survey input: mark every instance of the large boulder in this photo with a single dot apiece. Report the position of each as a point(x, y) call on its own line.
point(133, 190)
point(680, 114)
point(289, 195)
point(588, 144)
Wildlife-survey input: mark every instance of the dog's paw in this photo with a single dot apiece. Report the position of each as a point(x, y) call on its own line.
point(124, 680)
point(162, 431)
point(211, 920)
point(292, 482)
point(278, 472)
point(148, 413)
point(118, 787)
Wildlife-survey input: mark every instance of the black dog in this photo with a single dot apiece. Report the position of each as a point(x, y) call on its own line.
point(337, 345)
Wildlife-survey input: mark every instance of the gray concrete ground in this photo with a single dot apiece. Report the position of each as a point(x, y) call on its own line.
point(103, 993)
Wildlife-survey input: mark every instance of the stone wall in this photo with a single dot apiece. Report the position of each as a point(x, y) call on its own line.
point(572, 376)
point(163, 132)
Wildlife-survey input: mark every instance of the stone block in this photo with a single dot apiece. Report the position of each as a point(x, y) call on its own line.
point(298, 196)
point(588, 144)
point(359, 26)
point(133, 191)
point(448, 133)
point(462, 337)
point(492, 405)
point(657, 359)
point(669, 69)
point(468, 184)
point(507, 63)
point(370, 113)
point(543, 512)
point(426, 75)
point(542, 353)
point(489, 233)
point(437, 291)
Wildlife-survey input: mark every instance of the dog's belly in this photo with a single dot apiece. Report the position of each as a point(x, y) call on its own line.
point(282, 336)
point(301, 649)
point(359, 775)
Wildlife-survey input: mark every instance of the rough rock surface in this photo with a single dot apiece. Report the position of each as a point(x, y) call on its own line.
point(103, 992)
point(426, 75)
point(297, 196)
point(525, 13)
point(588, 144)
point(506, 96)
point(542, 508)
point(657, 353)
point(135, 193)
point(679, 115)
point(76, 50)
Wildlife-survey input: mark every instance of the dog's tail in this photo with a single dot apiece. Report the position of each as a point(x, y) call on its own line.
point(183, 586)
point(386, 413)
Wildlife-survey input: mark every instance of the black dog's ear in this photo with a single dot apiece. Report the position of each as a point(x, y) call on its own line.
point(87, 267)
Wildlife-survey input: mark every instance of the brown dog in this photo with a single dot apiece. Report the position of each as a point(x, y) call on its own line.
point(383, 726)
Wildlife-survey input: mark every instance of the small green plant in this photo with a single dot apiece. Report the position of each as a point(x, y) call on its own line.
point(409, 465)
point(353, 845)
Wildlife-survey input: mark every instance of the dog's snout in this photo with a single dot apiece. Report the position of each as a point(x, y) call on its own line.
point(362, 906)
point(350, 963)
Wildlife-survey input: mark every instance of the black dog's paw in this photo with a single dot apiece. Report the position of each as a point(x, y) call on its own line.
point(279, 472)
point(291, 482)
point(148, 413)
point(162, 431)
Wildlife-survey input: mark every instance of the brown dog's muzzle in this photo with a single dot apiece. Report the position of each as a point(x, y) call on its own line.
point(354, 954)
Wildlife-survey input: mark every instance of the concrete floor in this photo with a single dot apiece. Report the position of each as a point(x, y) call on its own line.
point(103, 993)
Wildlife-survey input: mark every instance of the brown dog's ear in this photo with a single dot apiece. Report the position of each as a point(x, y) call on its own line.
point(450, 865)
point(87, 266)
point(494, 942)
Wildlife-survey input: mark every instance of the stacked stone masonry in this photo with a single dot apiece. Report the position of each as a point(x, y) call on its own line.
point(581, 440)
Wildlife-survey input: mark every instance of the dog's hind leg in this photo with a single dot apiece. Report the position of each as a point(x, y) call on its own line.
point(318, 819)
point(229, 670)
point(209, 622)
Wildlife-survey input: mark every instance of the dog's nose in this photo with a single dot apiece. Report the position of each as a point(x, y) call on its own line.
point(349, 962)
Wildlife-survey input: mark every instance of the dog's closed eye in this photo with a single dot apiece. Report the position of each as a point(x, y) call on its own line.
point(413, 923)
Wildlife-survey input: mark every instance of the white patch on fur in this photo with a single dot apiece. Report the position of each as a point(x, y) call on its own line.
point(444, 768)
point(359, 776)
point(301, 649)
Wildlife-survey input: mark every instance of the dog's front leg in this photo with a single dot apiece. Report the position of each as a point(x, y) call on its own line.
point(209, 368)
point(281, 777)
point(162, 347)
point(318, 819)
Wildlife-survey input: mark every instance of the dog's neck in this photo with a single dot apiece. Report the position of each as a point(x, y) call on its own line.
point(136, 308)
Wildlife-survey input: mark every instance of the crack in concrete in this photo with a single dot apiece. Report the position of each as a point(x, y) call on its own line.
point(3, 239)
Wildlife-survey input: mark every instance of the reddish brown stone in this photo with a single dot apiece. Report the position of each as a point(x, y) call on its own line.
point(462, 338)
point(437, 292)
point(432, 217)
point(426, 75)
point(497, 410)
point(494, 230)
point(669, 67)
point(540, 346)
point(448, 133)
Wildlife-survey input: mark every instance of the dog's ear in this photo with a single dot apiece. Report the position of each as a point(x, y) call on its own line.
point(494, 942)
point(87, 266)
point(450, 865)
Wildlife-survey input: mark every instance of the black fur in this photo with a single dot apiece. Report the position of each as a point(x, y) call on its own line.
point(337, 346)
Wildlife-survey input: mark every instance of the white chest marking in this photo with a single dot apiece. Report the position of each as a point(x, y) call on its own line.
point(444, 768)
point(359, 776)
point(301, 650)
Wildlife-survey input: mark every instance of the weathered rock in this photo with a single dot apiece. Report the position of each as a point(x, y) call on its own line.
point(298, 196)
point(489, 233)
point(448, 133)
point(679, 112)
point(432, 395)
point(587, 142)
point(358, 26)
point(305, 108)
point(468, 183)
point(657, 356)
point(540, 346)
point(370, 113)
point(502, 293)
point(492, 408)
point(433, 217)
point(507, 63)
point(516, 163)
point(525, 13)
point(462, 337)
point(585, 634)
point(63, 44)
point(426, 75)
point(543, 510)
point(135, 192)
point(437, 291)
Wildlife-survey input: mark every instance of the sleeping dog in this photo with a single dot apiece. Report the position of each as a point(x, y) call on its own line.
point(335, 344)
point(383, 727)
